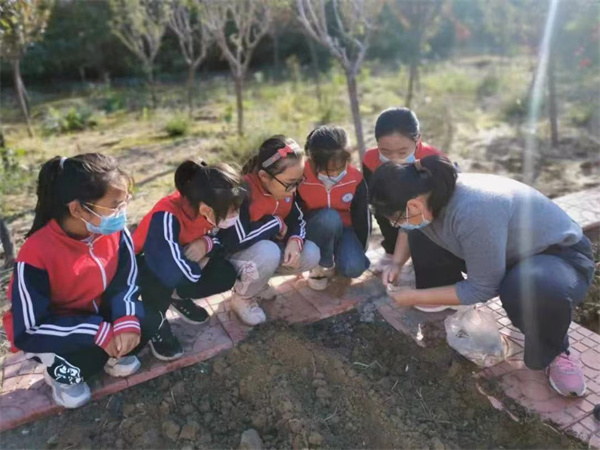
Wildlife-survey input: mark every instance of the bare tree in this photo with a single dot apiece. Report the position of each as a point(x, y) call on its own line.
point(347, 40)
point(194, 39)
point(417, 19)
point(23, 23)
point(7, 244)
point(252, 21)
point(140, 26)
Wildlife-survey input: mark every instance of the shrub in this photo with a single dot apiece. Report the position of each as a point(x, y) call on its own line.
point(177, 126)
point(489, 86)
point(76, 118)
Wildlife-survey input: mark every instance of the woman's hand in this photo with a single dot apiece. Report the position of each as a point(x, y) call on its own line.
point(391, 273)
point(125, 343)
point(291, 254)
point(403, 296)
point(196, 250)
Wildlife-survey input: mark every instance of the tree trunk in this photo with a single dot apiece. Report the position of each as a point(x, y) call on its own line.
point(20, 88)
point(314, 57)
point(276, 57)
point(552, 109)
point(412, 76)
point(82, 74)
point(190, 89)
point(151, 86)
point(355, 108)
point(239, 96)
point(7, 244)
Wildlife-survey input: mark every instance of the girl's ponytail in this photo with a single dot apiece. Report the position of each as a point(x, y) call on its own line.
point(251, 165)
point(186, 173)
point(46, 206)
point(219, 186)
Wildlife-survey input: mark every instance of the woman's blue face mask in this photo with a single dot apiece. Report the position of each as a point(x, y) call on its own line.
point(406, 225)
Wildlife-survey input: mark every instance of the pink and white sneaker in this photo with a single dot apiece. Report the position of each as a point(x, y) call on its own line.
point(566, 376)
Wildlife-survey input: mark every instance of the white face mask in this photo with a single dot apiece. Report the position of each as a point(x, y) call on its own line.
point(228, 223)
point(329, 182)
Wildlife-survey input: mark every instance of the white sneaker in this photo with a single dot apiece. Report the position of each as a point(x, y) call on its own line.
point(431, 308)
point(318, 278)
point(247, 310)
point(383, 262)
point(68, 395)
point(122, 367)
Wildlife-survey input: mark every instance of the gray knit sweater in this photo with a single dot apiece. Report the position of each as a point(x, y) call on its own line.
point(492, 222)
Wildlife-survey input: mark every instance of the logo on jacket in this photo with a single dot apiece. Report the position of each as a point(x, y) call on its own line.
point(66, 372)
point(347, 198)
point(287, 199)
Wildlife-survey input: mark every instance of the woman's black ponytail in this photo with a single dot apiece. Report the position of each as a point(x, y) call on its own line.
point(393, 185)
point(442, 178)
point(62, 180)
point(219, 186)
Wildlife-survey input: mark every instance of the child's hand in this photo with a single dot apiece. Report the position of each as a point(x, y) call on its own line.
point(284, 229)
point(111, 348)
point(196, 250)
point(292, 254)
point(126, 342)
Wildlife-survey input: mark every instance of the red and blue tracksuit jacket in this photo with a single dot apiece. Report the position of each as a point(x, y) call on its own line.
point(263, 217)
point(59, 286)
point(349, 197)
point(371, 159)
point(162, 235)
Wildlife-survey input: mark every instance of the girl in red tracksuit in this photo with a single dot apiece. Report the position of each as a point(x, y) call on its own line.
point(336, 200)
point(74, 299)
point(181, 256)
point(270, 235)
point(398, 136)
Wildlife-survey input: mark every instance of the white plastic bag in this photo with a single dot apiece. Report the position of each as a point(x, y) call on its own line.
point(474, 334)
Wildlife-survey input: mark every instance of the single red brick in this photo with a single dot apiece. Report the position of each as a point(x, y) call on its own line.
point(579, 347)
point(591, 424)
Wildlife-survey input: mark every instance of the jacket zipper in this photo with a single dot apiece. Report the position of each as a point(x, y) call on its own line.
point(100, 266)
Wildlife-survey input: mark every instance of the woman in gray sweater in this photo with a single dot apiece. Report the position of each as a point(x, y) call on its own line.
point(512, 241)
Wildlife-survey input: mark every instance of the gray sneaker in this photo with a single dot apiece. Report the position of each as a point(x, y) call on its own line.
point(122, 367)
point(68, 395)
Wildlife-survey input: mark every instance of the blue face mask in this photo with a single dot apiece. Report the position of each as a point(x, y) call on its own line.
point(108, 224)
point(329, 182)
point(409, 226)
point(408, 160)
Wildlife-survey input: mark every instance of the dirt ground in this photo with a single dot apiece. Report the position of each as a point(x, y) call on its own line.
point(341, 383)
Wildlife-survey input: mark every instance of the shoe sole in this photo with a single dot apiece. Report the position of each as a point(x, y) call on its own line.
point(187, 319)
point(58, 400)
point(131, 372)
point(431, 310)
point(162, 357)
point(572, 394)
